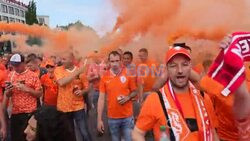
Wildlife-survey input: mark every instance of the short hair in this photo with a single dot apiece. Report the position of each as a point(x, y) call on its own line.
point(30, 60)
point(143, 50)
point(40, 58)
point(128, 53)
point(32, 56)
point(182, 45)
point(115, 53)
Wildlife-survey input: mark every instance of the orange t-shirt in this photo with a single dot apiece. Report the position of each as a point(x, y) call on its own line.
point(146, 72)
point(24, 102)
point(152, 116)
point(113, 86)
point(67, 101)
point(50, 90)
point(187, 106)
point(227, 129)
point(3, 76)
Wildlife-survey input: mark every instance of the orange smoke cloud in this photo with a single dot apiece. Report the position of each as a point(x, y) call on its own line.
point(78, 41)
point(137, 17)
point(176, 20)
point(152, 24)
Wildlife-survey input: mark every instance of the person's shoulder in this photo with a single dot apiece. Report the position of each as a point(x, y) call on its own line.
point(59, 69)
point(11, 73)
point(45, 76)
point(30, 73)
point(152, 98)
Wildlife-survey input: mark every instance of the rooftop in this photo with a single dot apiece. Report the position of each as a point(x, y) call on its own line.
point(16, 2)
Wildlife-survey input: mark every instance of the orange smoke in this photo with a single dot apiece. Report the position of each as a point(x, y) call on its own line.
point(33, 30)
point(137, 17)
point(152, 24)
point(74, 40)
point(200, 23)
point(214, 34)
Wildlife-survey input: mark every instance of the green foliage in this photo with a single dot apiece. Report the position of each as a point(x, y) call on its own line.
point(30, 16)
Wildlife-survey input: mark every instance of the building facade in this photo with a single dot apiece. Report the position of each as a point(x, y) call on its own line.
point(43, 20)
point(12, 11)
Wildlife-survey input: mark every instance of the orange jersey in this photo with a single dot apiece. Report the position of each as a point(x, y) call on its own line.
point(227, 129)
point(146, 73)
point(24, 102)
point(114, 86)
point(67, 101)
point(3, 76)
point(50, 90)
point(152, 116)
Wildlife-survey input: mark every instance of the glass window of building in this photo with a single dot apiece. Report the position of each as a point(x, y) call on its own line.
point(16, 11)
point(21, 13)
point(11, 10)
point(12, 20)
point(41, 20)
point(5, 18)
point(4, 8)
point(17, 20)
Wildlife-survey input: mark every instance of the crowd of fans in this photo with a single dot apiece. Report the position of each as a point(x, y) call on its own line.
point(62, 98)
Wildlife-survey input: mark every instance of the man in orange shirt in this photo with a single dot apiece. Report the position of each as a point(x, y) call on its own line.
point(24, 87)
point(48, 125)
point(33, 65)
point(49, 85)
point(178, 105)
point(70, 100)
point(119, 89)
point(131, 71)
point(146, 74)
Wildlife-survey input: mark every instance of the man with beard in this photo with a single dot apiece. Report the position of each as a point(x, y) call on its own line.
point(178, 105)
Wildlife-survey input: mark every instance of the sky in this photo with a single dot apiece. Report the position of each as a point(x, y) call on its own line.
point(97, 14)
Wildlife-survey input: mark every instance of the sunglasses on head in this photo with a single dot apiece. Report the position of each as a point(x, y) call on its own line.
point(49, 67)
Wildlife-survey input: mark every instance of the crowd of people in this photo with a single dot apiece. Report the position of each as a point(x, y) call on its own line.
point(62, 98)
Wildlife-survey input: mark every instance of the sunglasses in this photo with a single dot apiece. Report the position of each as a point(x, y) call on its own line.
point(49, 67)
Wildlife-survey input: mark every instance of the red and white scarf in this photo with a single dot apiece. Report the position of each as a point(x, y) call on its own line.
point(178, 124)
point(228, 68)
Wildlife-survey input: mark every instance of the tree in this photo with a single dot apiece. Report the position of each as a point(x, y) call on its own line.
point(78, 25)
point(31, 19)
point(30, 15)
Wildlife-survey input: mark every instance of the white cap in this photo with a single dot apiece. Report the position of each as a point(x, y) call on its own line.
point(16, 58)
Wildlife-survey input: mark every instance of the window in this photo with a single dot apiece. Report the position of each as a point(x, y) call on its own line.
point(17, 20)
point(21, 13)
point(22, 21)
point(41, 20)
point(16, 11)
point(4, 8)
point(0, 18)
point(11, 10)
point(5, 18)
point(12, 20)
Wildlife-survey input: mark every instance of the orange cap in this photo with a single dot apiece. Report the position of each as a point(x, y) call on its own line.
point(176, 50)
point(50, 62)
